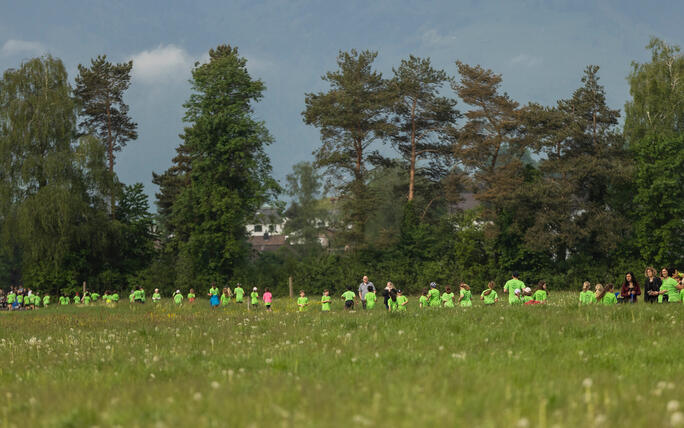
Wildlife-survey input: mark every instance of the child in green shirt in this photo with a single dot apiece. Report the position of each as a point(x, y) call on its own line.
point(465, 296)
point(156, 296)
point(448, 298)
point(77, 299)
point(302, 301)
point(348, 297)
point(605, 295)
point(86, 298)
point(191, 296)
point(489, 294)
point(402, 301)
point(371, 298)
point(325, 301)
point(63, 300)
point(239, 293)
point(94, 297)
point(541, 292)
point(392, 303)
point(46, 300)
point(587, 297)
point(131, 297)
point(177, 297)
point(423, 300)
point(254, 297)
point(433, 296)
point(225, 297)
point(527, 295)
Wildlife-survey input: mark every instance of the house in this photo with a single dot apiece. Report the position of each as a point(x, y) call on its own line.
point(266, 231)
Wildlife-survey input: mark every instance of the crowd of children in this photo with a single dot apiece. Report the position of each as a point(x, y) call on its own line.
point(668, 287)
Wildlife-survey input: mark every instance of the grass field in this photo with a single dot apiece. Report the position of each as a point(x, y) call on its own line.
point(159, 365)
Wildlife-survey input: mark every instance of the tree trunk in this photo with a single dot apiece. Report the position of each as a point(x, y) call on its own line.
point(412, 166)
point(110, 153)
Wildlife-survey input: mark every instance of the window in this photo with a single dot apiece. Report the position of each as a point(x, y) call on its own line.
point(258, 228)
point(271, 228)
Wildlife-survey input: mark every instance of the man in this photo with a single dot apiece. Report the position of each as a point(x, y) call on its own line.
point(512, 285)
point(363, 289)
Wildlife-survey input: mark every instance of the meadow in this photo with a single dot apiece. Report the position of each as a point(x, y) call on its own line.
point(553, 365)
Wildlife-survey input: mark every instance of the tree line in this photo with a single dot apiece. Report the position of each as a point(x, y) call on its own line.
point(563, 192)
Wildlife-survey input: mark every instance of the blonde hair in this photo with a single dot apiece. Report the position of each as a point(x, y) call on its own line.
point(464, 286)
point(600, 292)
point(652, 269)
point(586, 285)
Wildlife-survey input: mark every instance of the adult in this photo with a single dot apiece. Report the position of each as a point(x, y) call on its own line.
point(386, 293)
point(511, 285)
point(363, 289)
point(630, 289)
point(651, 286)
point(669, 288)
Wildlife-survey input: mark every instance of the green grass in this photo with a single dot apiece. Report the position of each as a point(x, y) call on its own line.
point(551, 365)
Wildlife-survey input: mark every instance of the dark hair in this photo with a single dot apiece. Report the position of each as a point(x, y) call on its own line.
point(371, 289)
point(634, 280)
point(424, 292)
point(267, 290)
point(393, 294)
point(447, 289)
point(350, 288)
point(540, 286)
point(515, 274)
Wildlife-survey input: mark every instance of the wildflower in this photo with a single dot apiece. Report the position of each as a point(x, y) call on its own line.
point(672, 406)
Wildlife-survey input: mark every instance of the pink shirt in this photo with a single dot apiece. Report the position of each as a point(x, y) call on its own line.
point(268, 297)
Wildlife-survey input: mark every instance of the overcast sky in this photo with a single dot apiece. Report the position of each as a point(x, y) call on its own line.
point(540, 47)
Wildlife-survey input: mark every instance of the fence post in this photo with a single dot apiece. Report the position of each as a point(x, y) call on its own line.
point(289, 283)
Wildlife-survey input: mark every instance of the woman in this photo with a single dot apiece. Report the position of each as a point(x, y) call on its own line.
point(668, 288)
point(630, 289)
point(651, 286)
point(386, 294)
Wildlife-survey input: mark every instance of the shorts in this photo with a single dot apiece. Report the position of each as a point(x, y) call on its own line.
point(349, 304)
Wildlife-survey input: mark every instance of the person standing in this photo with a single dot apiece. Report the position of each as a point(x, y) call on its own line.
point(433, 296)
point(669, 287)
point(386, 294)
point(630, 289)
point(512, 285)
point(363, 289)
point(651, 286)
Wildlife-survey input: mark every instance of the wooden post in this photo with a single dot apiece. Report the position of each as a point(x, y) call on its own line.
point(84, 288)
point(289, 283)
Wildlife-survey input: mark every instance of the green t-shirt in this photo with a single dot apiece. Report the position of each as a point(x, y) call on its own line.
point(63, 300)
point(512, 285)
point(490, 298)
point(669, 285)
point(526, 299)
point(255, 297)
point(539, 295)
point(225, 299)
point(587, 297)
point(371, 298)
point(138, 295)
point(94, 297)
point(466, 301)
point(191, 295)
point(86, 300)
point(115, 297)
point(609, 299)
point(156, 297)
point(516, 301)
point(214, 291)
point(348, 295)
point(177, 298)
point(131, 297)
point(20, 298)
point(393, 305)
point(325, 303)
point(433, 297)
point(11, 298)
point(401, 300)
point(239, 294)
point(77, 300)
point(423, 300)
point(302, 302)
point(46, 300)
point(448, 299)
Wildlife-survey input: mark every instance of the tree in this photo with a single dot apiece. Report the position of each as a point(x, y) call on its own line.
point(350, 116)
point(422, 117)
point(654, 129)
point(488, 145)
point(230, 171)
point(100, 89)
point(305, 215)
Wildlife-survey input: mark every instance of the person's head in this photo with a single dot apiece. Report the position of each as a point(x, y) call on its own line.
point(629, 277)
point(447, 289)
point(266, 290)
point(156, 290)
point(365, 279)
point(586, 285)
point(650, 272)
point(399, 293)
point(254, 289)
point(225, 290)
point(664, 273)
point(177, 291)
point(609, 287)
point(393, 294)
point(424, 292)
point(541, 285)
point(350, 288)
point(213, 284)
point(238, 285)
point(192, 290)
point(491, 285)
point(370, 289)
point(433, 285)
point(465, 286)
point(515, 274)
point(390, 285)
point(598, 288)
point(302, 293)
point(326, 292)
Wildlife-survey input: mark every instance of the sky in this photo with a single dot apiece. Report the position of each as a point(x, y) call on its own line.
point(540, 48)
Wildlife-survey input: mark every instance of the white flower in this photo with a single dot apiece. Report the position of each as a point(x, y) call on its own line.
point(677, 419)
point(672, 406)
point(523, 423)
point(587, 382)
point(215, 385)
point(197, 396)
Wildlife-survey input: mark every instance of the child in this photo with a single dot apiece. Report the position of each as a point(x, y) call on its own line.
point(465, 296)
point(115, 297)
point(433, 296)
point(213, 295)
point(423, 300)
point(302, 301)
point(46, 300)
point(131, 297)
point(393, 305)
point(268, 298)
point(36, 300)
point(191, 296)
point(94, 297)
point(86, 298)
point(77, 299)
point(177, 298)
point(156, 297)
point(448, 298)
point(517, 297)
point(609, 297)
point(348, 297)
point(586, 297)
point(402, 301)
point(254, 296)
point(20, 300)
point(63, 300)
point(239, 293)
point(527, 295)
point(371, 298)
point(489, 294)
point(325, 301)
point(540, 293)
point(225, 297)
point(12, 300)
point(138, 295)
